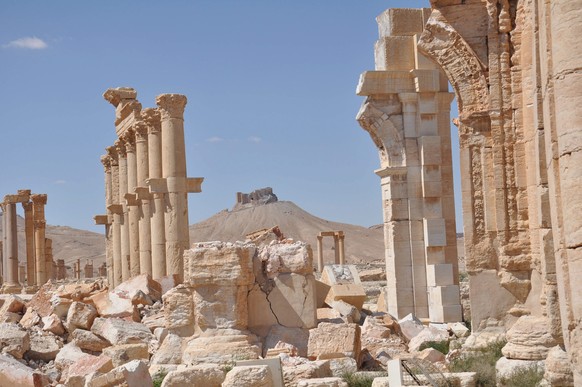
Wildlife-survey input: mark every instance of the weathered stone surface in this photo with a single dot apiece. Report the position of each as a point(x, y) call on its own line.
point(208, 375)
point(13, 304)
point(505, 367)
point(9, 317)
point(43, 347)
point(141, 283)
point(292, 300)
point(252, 376)
point(14, 340)
point(222, 307)
point(124, 353)
point(87, 340)
point(14, 373)
point(80, 315)
point(375, 327)
point(30, 319)
point(353, 294)
point(132, 374)
point(459, 329)
point(426, 335)
point(343, 365)
point(78, 371)
point(109, 304)
point(295, 369)
point(329, 339)
point(70, 354)
point(350, 313)
point(558, 371)
point(372, 275)
point(432, 355)
point(329, 315)
point(221, 346)
point(53, 324)
point(529, 339)
point(179, 311)
point(286, 257)
point(322, 382)
point(410, 326)
point(296, 337)
point(170, 351)
point(118, 331)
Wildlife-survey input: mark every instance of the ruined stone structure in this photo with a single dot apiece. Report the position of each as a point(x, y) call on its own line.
point(39, 259)
point(146, 188)
point(515, 69)
point(338, 243)
point(61, 270)
point(255, 198)
point(88, 269)
point(406, 113)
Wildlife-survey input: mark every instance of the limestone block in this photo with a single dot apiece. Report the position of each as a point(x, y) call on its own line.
point(220, 306)
point(80, 315)
point(383, 381)
point(14, 340)
point(340, 274)
point(208, 375)
point(44, 347)
point(439, 275)
point(53, 324)
point(70, 354)
point(293, 300)
point(395, 210)
point(30, 319)
point(347, 311)
point(444, 295)
point(432, 355)
point(87, 340)
point(384, 82)
point(351, 293)
point(118, 331)
point(121, 354)
point(79, 370)
point(274, 365)
point(252, 376)
point(109, 304)
point(260, 315)
point(168, 282)
point(410, 326)
point(14, 373)
point(427, 103)
point(322, 382)
point(372, 275)
point(529, 339)
point(459, 329)
point(170, 351)
point(132, 374)
point(426, 335)
point(445, 313)
point(400, 21)
point(435, 255)
point(342, 366)
point(284, 257)
point(334, 339)
point(329, 315)
point(557, 369)
point(462, 379)
point(144, 283)
point(13, 304)
point(505, 367)
point(375, 327)
point(435, 232)
point(425, 81)
point(296, 337)
point(394, 53)
point(179, 311)
point(321, 290)
point(219, 263)
point(221, 346)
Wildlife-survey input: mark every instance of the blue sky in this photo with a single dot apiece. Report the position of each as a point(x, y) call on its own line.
point(270, 87)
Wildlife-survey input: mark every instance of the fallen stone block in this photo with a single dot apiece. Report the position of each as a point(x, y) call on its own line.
point(353, 294)
point(350, 313)
point(53, 324)
point(13, 304)
point(70, 354)
point(44, 347)
point(113, 305)
point(321, 290)
point(372, 275)
point(374, 327)
point(14, 373)
point(141, 283)
point(459, 329)
point(410, 326)
point(293, 373)
point(322, 382)
point(78, 371)
point(179, 311)
point(132, 374)
point(329, 339)
point(30, 319)
point(118, 331)
point(221, 346)
point(343, 365)
point(207, 375)
point(80, 315)
point(14, 340)
point(274, 365)
point(170, 351)
point(329, 315)
point(340, 274)
point(255, 376)
point(124, 353)
point(428, 334)
point(286, 258)
point(505, 367)
point(296, 337)
point(431, 354)
point(87, 340)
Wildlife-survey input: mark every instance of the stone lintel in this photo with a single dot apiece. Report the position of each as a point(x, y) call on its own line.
point(390, 171)
point(131, 199)
point(115, 208)
point(143, 193)
point(385, 82)
point(157, 185)
point(331, 233)
point(194, 184)
point(101, 219)
point(13, 199)
point(129, 115)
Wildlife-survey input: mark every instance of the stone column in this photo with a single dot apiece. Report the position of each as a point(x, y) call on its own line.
point(22, 274)
point(108, 218)
point(116, 211)
point(29, 233)
point(320, 253)
point(342, 256)
point(78, 269)
point(171, 108)
point(48, 256)
point(38, 203)
point(143, 196)
point(157, 205)
point(61, 270)
point(124, 219)
point(2, 250)
point(88, 270)
point(336, 249)
point(11, 284)
point(132, 203)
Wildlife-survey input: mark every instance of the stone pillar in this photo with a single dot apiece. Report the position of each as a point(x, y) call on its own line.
point(108, 219)
point(22, 274)
point(171, 108)
point(124, 220)
point(2, 250)
point(38, 203)
point(143, 196)
point(342, 256)
point(132, 203)
point(102, 270)
point(116, 210)
point(29, 234)
point(10, 284)
point(336, 249)
point(61, 270)
point(89, 270)
point(48, 257)
point(78, 269)
point(320, 253)
point(157, 205)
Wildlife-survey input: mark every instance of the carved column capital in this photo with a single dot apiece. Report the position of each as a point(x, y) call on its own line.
point(39, 199)
point(112, 154)
point(120, 149)
point(141, 131)
point(171, 105)
point(128, 139)
point(27, 206)
point(152, 118)
point(106, 161)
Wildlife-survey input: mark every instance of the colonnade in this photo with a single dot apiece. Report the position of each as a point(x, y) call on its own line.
point(146, 188)
point(39, 259)
point(338, 239)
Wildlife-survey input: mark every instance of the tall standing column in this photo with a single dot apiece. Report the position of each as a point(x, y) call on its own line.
point(38, 203)
point(174, 172)
point(157, 205)
point(320, 253)
point(48, 258)
point(124, 220)
point(106, 161)
point(143, 195)
point(132, 203)
point(342, 256)
point(116, 211)
point(29, 233)
point(336, 249)
point(11, 284)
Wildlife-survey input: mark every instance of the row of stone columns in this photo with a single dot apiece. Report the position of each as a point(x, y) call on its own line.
point(146, 188)
point(39, 260)
point(339, 250)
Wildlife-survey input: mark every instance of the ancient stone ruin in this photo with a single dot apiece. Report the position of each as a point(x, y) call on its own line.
point(338, 244)
point(146, 188)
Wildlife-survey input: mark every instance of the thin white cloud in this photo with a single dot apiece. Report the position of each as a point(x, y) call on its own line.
point(29, 43)
point(215, 139)
point(60, 182)
point(255, 139)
